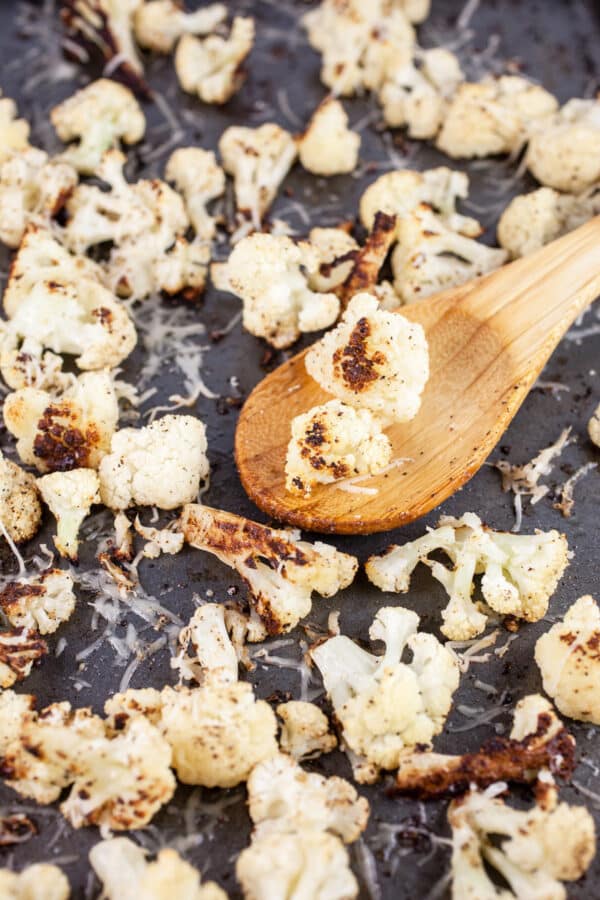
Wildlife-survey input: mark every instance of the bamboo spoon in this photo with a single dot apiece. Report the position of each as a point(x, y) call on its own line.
point(488, 342)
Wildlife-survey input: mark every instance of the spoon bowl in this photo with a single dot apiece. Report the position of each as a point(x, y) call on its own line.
point(488, 342)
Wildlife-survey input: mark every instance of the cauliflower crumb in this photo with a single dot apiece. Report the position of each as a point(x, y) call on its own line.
point(159, 24)
point(594, 427)
point(271, 276)
point(14, 132)
point(328, 146)
point(19, 650)
point(564, 151)
point(196, 174)
point(305, 732)
point(373, 360)
point(70, 497)
point(280, 570)
point(213, 68)
point(383, 705)
point(336, 251)
point(206, 652)
point(40, 881)
point(334, 441)
point(42, 602)
point(126, 873)
point(20, 508)
point(160, 465)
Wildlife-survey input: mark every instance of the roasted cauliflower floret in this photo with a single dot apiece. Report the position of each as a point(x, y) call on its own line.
point(41, 602)
point(334, 441)
point(520, 571)
point(159, 24)
point(328, 146)
point(305, 732)
point(258, 159)
point(159, 540)
point(271, 276)
point(20, 508)
point(280, 570)
point(532, 220)
point(14, 132)
point(99, 116)
point(69, 431)
point(70, 497)
point(336, 251)
point(40, 881)
point(126, 873)
point(373, 360)
point(213, 67)
point(564, 152)
point(493, 116)
point(206, 652)
point(383, 705)
point(594, 427)
point(431, 257)
point(542, 846)
point(33, 188)
point(159, 465)
point(567, 656)
point(19, 650)
point(196, 174)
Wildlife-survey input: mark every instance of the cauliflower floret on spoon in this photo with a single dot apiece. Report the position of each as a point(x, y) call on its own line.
point(42, 602)
point(213, 67)
point(20, 508)
point(386, 706)
point(196, 174)
point(328, 146)
point(564, 151)
point(70, 497)
point(158, 24)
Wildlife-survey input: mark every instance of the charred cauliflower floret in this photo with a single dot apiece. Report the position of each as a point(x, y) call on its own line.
point(20, 508)
point(271, 276)
point(99, 116)
point(336, 251)
point(126, 873)
point(305, 732)
point(196, 174)
point(258, 159)
point(70, 497)
point(520, 572)
point(386, 706)
point(41, 602)
point(280, 570)
point(69, 431)
point(159, 465)
point(40, 881)
point(33, 189)
point(542, 846)
point(14, 132)
point(334, 441)
point(213, 67)
point(328, 146)
point(493, 116)
point(20, 649)
point(206, 652)
point(159, 24)
point(568, 657)
point(373, 360)
point(564, 152)
point(532, 220)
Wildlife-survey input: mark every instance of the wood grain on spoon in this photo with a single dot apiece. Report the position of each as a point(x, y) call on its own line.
point(488, 342)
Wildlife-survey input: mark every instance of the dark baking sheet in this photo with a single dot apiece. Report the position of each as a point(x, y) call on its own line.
point(554, 41)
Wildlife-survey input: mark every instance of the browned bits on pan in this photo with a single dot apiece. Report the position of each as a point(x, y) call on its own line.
point(16, 829)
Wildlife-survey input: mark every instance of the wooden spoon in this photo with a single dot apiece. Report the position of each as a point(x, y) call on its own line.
point(488, 342)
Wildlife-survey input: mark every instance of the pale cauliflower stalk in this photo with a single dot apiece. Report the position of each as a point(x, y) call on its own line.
point(213, 67)
point(200, 179)
point(40, 881)
point(70, 497)
point(336, 251)
point(520, 572)
point(159, 24)
point(386, 706)
point(305, 731)
point(20, 508)
point(564, 152)
point(159, 465)
point(373, 360)
point(328, 146)
point(42, 602)
point(206, 652)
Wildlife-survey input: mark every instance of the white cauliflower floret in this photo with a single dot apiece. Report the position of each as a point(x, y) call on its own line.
point(336, 251)
point(160, 540)
point(41, 602)
point(99, 116)
point(70, 497)
point(328, 146)
point(19, 650)
point(258, 159)
point(182, 270)
point(567, 656)
point(280, 570)
point(73, 430)
point(334, 441)
point(431, 257)
point(270, 275)
point(532, 220)
point(40, 881)
point(33, 188)
point(20, 508)
point(493, 116)
point(126, 873)
point(415, 10)
point(373, 360)
point(206, 653)
point(213, 67)
point(594, 427)
point(305, 732)
point(197, 175)
point(520, 572)
point(542, 847)
point(159, 465)
point(385, 706)
point(416, 94)
point(564, 152)
point(14, 132)
point(159, 24)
